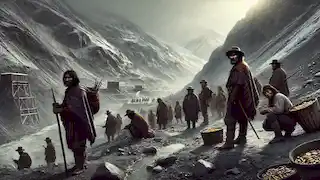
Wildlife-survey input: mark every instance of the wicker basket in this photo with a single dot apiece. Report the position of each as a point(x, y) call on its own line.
point(308, 117)
point(212, 136)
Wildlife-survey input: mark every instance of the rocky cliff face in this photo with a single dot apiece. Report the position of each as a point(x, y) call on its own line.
point(284, 30)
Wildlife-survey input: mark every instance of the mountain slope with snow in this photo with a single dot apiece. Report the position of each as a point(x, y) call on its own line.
point(46, 37)
point(283, 30)
point(202, 46)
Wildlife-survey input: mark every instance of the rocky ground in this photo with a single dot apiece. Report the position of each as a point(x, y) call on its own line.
point(182, 156)
point(239, 163)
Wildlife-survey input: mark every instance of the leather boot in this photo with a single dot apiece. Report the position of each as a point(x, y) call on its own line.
point(277, 132)
point(229, 144)
point(188, 123)
point(243, 128)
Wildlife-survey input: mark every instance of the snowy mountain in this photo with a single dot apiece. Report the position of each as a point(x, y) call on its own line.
point(283, 30)
point(202, 46)
point(46, 37)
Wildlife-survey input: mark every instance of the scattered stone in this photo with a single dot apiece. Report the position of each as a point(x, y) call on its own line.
point(157, 169)
point(157, 139)
point(121, 154)
point(166, 162)
point(317, 75)
point(121, 150)
point(108, 171)
point(150, 167)
point(149, 151)
point(202, 167)
point(233, 171)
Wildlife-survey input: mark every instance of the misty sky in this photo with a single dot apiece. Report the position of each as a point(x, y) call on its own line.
point(174, 20)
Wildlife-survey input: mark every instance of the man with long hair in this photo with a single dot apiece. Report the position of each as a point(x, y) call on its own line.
point(77, 118)
point(279, 78)
point(277, 114)
point(242, 100)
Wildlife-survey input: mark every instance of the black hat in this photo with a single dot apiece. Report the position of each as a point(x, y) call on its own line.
point(190, 88)
point(129, 112)
point(234, 49)
point(20, 149)
point(275, 62)
point(48, 139)
point(203, 81)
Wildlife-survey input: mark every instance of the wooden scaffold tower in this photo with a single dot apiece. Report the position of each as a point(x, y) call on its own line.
point(23, 99)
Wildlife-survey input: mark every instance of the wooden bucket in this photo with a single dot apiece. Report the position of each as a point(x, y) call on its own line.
point(212, 136)
point(307, 114)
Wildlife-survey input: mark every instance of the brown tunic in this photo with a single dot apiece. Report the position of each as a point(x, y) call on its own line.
point(191, 107)
point(242, 104)
point(24, 161)
point(279, 81)
point(178, 111)
point(111, 125)
point(162, 113)
point(50, 153)
point(77, 117)
point(205, 96)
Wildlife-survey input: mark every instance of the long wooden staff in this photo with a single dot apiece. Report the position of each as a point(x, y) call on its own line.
point(60, 135)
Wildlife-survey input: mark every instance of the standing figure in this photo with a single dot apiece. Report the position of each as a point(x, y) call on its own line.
point(138, 127)
point(111, 126)
point(191, 108)
point(204, 98)
point(213, 104)
point(277, 114)
point(77, 118)
point(24, 161)
point(242, 100)
point(152, 119)
point(50, 154)
point(279, 78)
point(221, 102)
point(178, 112)
point(119, 124)
point(170, 114)
point(162, 114)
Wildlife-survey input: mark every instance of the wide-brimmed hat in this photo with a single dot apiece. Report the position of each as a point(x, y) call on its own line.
point(203, 81)
point(128, 112)
point(234, 49)
point(20, 149)
point(47, 139)
point(275, 62)
point(190, 88)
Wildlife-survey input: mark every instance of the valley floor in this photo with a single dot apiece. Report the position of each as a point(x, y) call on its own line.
point(249, 159)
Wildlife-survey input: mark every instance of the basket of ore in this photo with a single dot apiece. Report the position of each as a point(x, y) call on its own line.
point(307, 114)
point(212, 136)
point(306, 159)
point(279, 172)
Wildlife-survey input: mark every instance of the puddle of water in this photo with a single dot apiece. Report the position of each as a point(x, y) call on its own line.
point(140, 168)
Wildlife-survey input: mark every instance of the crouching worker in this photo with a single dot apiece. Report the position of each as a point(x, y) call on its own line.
point(24, 161)
point(138, 127)
point(277, 114)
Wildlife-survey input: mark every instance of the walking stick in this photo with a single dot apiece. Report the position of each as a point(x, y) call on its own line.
point(60, 135)
point(245, 114)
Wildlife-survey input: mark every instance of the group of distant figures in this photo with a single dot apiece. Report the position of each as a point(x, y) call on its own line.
point(239, 105)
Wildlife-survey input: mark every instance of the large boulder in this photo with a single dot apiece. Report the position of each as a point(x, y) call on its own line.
point(108, 171)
